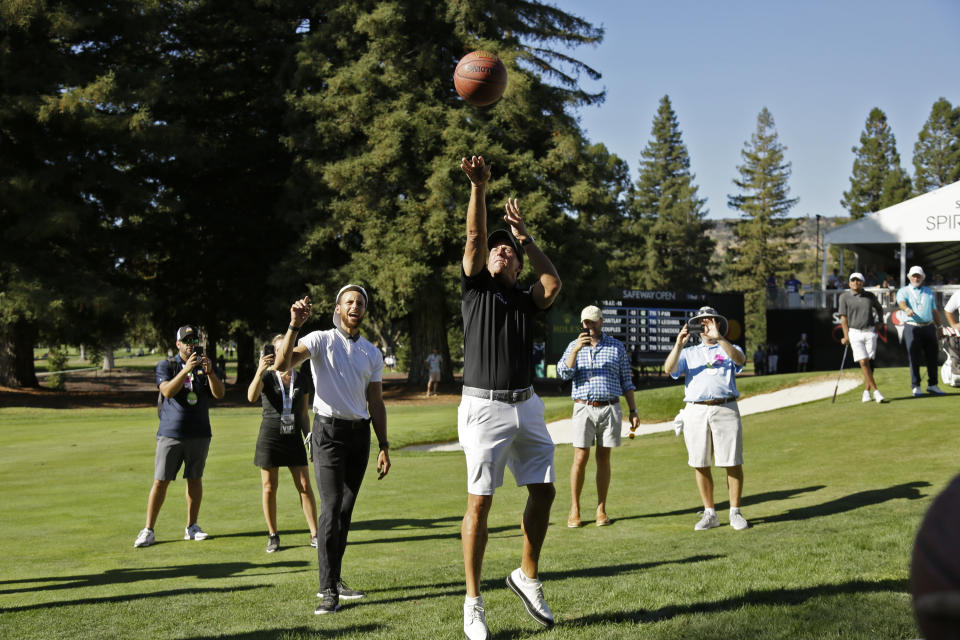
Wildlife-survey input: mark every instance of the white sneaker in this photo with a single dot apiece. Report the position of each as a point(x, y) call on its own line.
point(917, 392)
point(738, 522)
point(475, 622)
point(708, 521)
point(877, 396)
point(935, 390)
point(145, 538)
point(530, 591)
point(194, 532)
point(865, 397)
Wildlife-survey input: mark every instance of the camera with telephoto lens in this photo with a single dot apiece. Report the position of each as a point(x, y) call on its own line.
point(198, 349)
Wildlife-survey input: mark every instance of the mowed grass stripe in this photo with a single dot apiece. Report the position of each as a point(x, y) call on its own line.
point(835, 493)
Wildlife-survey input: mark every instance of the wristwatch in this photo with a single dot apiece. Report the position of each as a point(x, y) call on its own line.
point(527, 241)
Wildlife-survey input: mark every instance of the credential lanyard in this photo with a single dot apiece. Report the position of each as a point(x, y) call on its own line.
point(286, 397)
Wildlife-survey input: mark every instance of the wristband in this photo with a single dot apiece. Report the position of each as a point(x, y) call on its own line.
point(526, 241)
point(384, 445)
point(293, 328)
point(632, 411)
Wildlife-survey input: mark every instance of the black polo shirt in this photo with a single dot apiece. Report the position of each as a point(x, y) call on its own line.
point(497, 326)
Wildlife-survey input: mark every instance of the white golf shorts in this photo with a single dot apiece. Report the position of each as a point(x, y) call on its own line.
point(863, 343)
point(596, 425)
point(713, 435)
point(495, 434)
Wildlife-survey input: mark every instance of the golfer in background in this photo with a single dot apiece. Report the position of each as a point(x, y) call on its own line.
point(921, 320)
point(711, 419)
point(861, 316)
point(500, 419)
point(600, 369)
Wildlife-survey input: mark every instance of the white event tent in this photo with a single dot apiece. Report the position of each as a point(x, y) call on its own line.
point(924, 230)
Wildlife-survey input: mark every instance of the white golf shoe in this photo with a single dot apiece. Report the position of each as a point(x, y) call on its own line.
point(708, 521)
point(877, 396)
point(194, 532)
point(475, 621)
point(530, 591)
point(738, 522)
point(865, 397)
point(145, 538)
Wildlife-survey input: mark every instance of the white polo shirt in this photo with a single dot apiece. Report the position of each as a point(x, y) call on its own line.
point(342, 370)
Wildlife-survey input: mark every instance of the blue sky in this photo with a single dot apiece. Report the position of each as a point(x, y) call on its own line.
point(819, 67)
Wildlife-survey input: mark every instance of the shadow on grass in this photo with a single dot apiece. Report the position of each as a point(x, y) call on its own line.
point(905, 491)
point(757, 498)
point(761, 597)
point(126, 576)
point(129, 597)
point(271, 634)
point(442, 589)
point(386, 524)
point(435, 536)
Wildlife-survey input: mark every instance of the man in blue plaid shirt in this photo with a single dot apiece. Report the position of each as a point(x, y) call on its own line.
point(600, 369)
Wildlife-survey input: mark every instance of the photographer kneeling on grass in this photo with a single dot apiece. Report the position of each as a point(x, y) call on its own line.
point(186, 383)
point(711, 419)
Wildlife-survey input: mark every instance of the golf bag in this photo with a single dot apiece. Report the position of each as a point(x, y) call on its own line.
point(950, 371)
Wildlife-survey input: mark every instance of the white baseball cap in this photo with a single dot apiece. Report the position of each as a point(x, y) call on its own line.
point(915, 269)
point(591, 313)
point(856, 275)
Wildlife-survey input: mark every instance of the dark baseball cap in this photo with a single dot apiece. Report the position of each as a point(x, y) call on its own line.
point(187, 331)
point(503, 236)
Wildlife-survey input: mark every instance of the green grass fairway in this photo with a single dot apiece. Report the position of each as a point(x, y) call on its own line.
point(834, 494)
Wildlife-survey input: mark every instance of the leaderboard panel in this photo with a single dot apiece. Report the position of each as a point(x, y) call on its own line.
point(647, 322)
point(648, 329)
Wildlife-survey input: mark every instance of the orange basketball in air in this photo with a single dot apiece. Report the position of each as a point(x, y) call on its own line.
point(480, 78)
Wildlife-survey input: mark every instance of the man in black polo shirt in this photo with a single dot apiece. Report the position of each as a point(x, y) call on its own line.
point(861, 317)
point(183, 438)
point(500, 419)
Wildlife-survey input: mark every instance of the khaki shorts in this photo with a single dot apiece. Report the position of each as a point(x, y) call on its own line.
point(713, 433)
point(494, 435)
point(863, 344)
point(434, 376)
point(171, 453)
point(600, 425)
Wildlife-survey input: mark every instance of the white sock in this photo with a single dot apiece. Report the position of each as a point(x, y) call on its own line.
point(734, 511)
point(467, 600)
point(708, 511)
point(525, 579)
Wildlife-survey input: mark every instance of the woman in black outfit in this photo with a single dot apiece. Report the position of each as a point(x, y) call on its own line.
point(284, 427)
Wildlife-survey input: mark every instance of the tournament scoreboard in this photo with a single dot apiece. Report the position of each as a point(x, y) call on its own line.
point(648, 322)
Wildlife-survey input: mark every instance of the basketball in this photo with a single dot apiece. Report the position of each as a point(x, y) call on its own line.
point(480, 78)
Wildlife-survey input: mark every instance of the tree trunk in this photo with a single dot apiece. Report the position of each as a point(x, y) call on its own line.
point(83, 352)
point(428, 329)
point(16, 354)
point(107, 358)
point(246, 365)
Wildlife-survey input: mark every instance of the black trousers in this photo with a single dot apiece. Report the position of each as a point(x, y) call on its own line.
point(340, 454)
point(922, 348)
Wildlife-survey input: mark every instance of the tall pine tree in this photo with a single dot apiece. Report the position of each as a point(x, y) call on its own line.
point(764, 234)
point(382, 132)
point(671, 215)
point(936, 154)
point(878, 180)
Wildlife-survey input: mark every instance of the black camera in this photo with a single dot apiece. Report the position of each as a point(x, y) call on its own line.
point(695, 328)
point(269, 350)
point(198, 349)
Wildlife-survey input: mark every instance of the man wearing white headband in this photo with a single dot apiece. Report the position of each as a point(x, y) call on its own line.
point(348, 373)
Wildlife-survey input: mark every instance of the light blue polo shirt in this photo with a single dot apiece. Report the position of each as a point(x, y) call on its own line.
point(710, 373)
point(921, 300)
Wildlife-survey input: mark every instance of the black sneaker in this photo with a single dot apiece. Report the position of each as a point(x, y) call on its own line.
point(273, 543)
point(346, 593)
point(329, 604)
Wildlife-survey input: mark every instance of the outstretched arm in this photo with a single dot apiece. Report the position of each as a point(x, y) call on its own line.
point(288, 355)
point(547, 287)
point(475, 249)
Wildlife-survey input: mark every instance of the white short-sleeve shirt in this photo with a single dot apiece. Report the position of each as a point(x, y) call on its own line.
point(953, 303)
point(342, 370)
